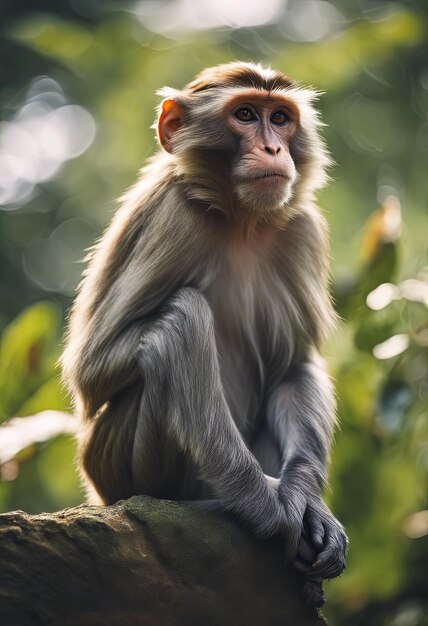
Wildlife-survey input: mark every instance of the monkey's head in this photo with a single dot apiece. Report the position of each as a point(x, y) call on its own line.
point(247, 135)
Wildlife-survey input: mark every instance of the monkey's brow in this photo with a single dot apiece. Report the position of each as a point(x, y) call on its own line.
point(246, 80)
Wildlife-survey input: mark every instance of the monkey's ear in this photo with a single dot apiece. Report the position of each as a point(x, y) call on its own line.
point(170, 120)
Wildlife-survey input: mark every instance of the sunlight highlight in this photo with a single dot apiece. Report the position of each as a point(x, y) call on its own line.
point(391, 347)
point(184, 15)
point(45, 132)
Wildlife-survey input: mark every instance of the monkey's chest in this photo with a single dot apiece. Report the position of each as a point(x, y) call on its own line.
point(255, 335)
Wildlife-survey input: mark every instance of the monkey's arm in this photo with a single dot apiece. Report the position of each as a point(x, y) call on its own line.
point(183, 395)
point(301, 414)
point(141, 260)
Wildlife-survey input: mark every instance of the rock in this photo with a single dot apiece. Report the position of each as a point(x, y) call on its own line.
point(143, 562)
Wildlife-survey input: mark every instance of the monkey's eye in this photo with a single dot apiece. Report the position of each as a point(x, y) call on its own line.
point(245, 115)
point(280, 118)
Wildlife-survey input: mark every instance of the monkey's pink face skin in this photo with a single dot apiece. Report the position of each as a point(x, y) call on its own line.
point(263, 170)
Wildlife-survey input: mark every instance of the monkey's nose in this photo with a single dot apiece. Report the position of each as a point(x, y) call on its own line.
point(272, 149)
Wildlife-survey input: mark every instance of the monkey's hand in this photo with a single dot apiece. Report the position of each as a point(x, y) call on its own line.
point(323, 543)
point(314, 540)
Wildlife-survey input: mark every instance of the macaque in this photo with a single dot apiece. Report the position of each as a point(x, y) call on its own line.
point(192, 350)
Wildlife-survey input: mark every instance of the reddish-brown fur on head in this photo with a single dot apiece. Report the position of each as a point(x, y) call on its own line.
point(239, 75)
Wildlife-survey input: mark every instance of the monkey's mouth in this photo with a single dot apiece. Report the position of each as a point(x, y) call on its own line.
point(266, 176)
point(269, 178)
point(263, 176)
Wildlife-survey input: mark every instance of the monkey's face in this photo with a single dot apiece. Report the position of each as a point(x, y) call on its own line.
point(262, 170)
point(245, 137)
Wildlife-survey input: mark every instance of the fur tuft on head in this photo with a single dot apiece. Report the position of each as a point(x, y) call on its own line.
point(239, 74)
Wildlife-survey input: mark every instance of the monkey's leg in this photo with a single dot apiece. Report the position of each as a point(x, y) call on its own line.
point(105, 447)
point(266, 450)
point(217, 505)
point(184, 395)
point(301, 413)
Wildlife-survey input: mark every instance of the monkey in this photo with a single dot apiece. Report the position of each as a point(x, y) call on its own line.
point(192, 350)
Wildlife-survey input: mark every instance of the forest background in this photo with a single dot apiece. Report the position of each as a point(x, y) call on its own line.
point(77, 98)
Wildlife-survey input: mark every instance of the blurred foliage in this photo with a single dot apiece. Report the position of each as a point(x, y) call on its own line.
point(77, 97)
point(28, 346)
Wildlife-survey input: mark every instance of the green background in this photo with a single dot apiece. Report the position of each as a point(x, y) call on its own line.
point(77, 98)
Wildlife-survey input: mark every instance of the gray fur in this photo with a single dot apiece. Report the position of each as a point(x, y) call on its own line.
point(192, 345)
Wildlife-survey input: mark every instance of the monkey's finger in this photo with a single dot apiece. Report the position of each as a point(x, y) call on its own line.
point(306, 551)
point(314, 529)
point(331, 561)
point(305, 557)
point(331, 567)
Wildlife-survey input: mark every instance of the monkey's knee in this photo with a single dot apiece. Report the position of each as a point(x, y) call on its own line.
point(182, 334)
point(191, 308)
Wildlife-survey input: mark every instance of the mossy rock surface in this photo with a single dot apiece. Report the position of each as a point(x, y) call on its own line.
point(143, 562)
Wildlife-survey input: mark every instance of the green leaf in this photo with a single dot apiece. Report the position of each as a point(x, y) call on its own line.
point(51, 395)
point(29, 347)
